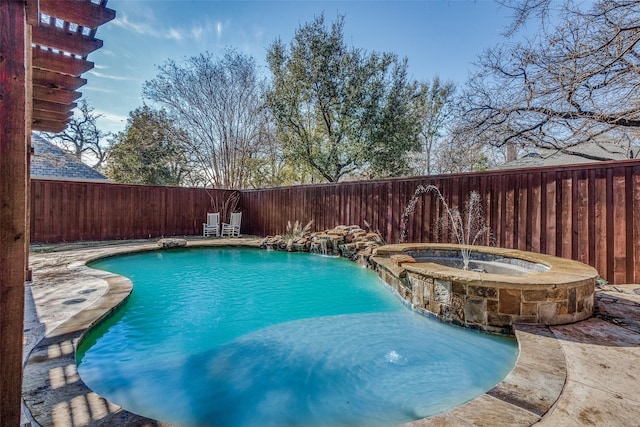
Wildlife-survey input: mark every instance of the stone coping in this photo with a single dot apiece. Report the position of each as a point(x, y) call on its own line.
point(56, 396)
point(560, 270)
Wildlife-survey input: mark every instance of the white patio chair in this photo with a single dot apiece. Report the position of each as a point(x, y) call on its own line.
point(233, 227)
point(212, 226)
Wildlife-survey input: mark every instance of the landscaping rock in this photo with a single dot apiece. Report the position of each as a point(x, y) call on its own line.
point(169, 243)
point(350, 242)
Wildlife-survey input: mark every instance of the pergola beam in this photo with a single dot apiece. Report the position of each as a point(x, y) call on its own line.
point(84, 12)
point(56, 80)
point(60, 96)
point(65, 40)
point(40, 104)
point(44, 115)
point(50, 116)
point(60, 63)
point(52, 126)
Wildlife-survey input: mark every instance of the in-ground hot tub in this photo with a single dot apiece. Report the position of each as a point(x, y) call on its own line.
point(501, 287)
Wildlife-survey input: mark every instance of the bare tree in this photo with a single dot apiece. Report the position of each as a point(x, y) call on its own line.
point(218, 102)
point(82, 138)
point(270, 167)
point(436, 112)
point(578, 81)
point(456, 156)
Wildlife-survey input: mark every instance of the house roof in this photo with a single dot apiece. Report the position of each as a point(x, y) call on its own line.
point(50, 161)
point(587, 152)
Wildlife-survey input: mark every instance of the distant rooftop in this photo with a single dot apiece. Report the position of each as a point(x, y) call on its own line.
point(50, 161)
point(584, 153)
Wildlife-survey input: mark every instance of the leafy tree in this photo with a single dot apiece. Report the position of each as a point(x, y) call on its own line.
point(149, 151)
point(218, 102)
point(339, 110)
point(82, 136)
point(579, 81)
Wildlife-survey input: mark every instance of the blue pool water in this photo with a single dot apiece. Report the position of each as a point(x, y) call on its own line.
point(245, 337)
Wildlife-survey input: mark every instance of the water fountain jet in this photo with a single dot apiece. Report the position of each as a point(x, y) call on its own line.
point(467, 229)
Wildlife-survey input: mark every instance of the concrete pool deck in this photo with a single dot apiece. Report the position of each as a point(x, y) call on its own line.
point(572, 375)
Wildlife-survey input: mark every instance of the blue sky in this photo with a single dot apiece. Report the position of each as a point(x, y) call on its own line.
point(439, 37)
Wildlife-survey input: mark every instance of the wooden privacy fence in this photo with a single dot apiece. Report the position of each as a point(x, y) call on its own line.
point(73, 211)
point(590, 213)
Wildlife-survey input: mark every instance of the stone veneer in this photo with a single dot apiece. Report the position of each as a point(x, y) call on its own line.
point(561, 293)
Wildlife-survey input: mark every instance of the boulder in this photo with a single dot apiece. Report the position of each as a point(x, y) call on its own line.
point(366, 252)
point(168, 243)
point(361, 245)
point(337, 232)
point(360, 235)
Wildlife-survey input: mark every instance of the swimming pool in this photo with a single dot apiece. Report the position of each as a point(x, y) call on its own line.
point(242, 337)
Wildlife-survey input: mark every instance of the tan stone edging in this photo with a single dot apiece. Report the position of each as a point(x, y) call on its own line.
point(64, 399)
point(56, 396)
point(525, 395)
point(561, 294)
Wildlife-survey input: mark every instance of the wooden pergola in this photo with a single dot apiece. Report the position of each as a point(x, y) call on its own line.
point(44, 46)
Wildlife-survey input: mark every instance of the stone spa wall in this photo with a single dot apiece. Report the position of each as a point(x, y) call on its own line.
point(554, 291)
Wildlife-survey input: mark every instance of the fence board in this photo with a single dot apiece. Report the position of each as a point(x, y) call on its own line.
point(511, 231)
point(629, 219)
point(591, 208)
point(620, 229)
point(534, 237)
point(544, 197)
point(636, 226)
point(599, 237)
point(521, 212)
point(581, 198)
point(566, 211)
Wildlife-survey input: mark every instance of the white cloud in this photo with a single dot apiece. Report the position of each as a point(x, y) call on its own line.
point(108, 76)
point(174, 34)
point(197, 33)
point(147, 29)
point(110, 122)
point(258, 33)
point(91, 88)
point(143, 28)
point(111, 117)
point(219, 28)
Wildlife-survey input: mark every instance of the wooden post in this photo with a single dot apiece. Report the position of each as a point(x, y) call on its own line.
point(15, 45)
